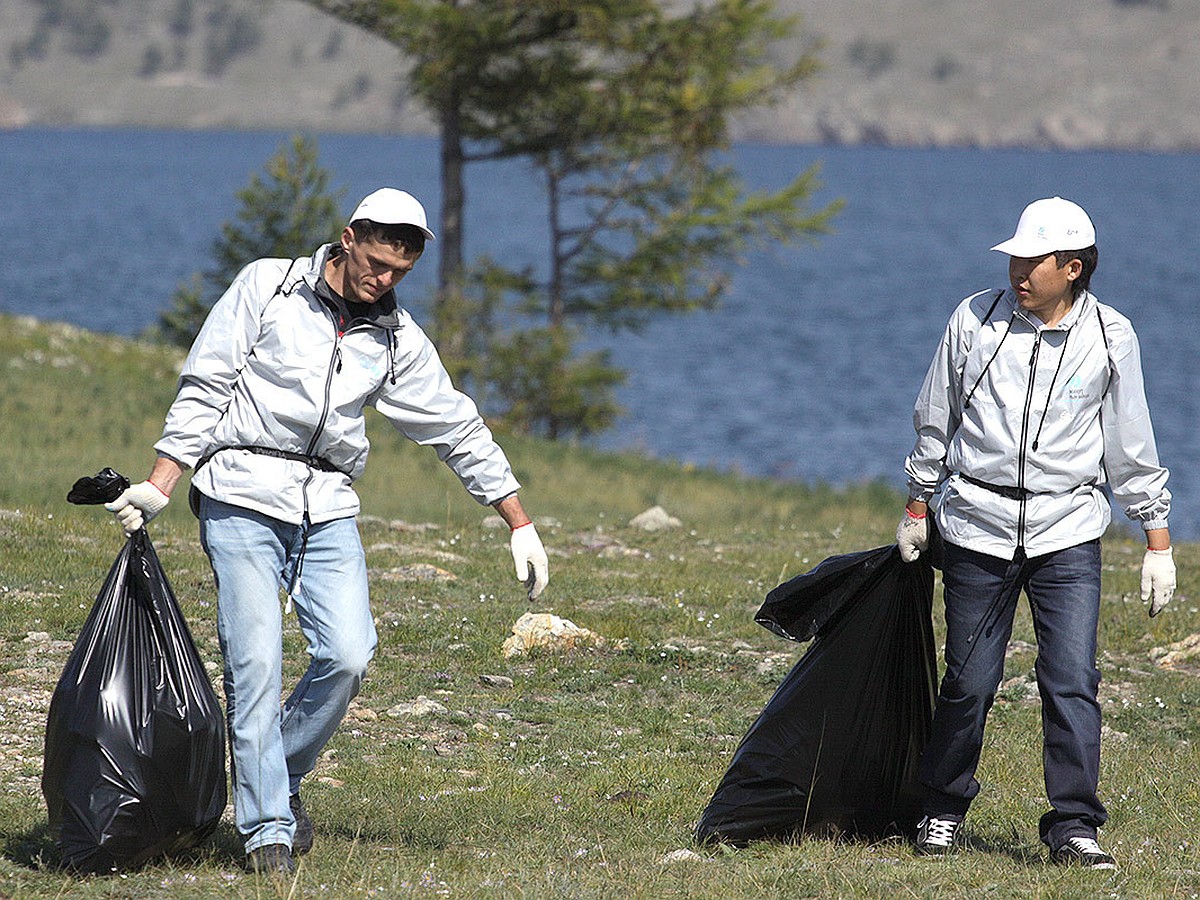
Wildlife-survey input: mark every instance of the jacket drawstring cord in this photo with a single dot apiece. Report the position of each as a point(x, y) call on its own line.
point(1050, 393)
point(975, 386)
point(294, 581)
point(391, 347)
point(1003, 592)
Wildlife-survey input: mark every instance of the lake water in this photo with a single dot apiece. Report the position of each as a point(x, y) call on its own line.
point(809, 369)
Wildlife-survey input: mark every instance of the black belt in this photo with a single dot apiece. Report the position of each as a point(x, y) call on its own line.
point(317, 462)
point(1004, 490)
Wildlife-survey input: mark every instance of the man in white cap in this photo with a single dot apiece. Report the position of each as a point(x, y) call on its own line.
point(1034, 403)
point(269, 413)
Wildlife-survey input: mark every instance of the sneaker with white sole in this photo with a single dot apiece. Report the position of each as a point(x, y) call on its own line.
point(936, 835)
point(1085, 852)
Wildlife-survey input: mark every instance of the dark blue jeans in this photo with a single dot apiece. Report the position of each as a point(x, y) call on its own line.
point(981, 598)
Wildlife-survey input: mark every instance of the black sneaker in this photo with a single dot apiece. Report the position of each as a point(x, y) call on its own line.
point(270, 859)
point(302, 840)
point(1085, 852)
point(936, 835)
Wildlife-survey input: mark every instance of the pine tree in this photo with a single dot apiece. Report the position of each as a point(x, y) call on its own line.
point(622, 108)
point(285, 212)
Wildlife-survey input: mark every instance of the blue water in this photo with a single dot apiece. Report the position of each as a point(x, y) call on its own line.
point(809, 369)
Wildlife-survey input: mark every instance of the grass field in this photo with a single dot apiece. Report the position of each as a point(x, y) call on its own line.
point(585, 776)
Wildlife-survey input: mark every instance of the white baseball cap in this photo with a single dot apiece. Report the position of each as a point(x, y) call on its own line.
point(389, 206)
point(1049, 225)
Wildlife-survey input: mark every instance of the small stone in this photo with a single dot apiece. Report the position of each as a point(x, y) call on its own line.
point(680, 856)
point(773, 664)
point(418, 572)
point(654, 519)
point(411, 527)
point(422, 706)
point(496, 681)
point(1176, 654)
point(619, 551)
point(1111, 734)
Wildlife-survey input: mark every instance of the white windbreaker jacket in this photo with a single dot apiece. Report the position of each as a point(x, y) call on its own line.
point(1020, 425)
point(270, 369)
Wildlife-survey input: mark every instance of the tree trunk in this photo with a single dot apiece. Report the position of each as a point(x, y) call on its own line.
point(556, 307)
point(449, 326)
point(450, 237)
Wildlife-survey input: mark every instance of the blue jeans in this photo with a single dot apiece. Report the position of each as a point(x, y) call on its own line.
point(252, 557)
point(981, 598)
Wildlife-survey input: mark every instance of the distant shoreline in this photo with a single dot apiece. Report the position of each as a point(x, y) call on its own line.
point(749, 140)
point(1112, 75)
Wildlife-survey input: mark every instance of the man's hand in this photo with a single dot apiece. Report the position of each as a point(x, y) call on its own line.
point(137, 505)
point(912, 534)
point(533, 568)
point(1158, 579)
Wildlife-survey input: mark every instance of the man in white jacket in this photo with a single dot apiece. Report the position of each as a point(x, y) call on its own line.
point(1033, 403)
point(269, 414)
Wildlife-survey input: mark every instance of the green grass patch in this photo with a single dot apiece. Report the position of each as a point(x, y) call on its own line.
point(583, 775)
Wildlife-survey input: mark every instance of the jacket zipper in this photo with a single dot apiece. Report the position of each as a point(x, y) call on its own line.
point(335, 365)
point(1022, 456)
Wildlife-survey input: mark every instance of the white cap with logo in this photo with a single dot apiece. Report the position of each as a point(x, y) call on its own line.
point(1049, 225)
point(389, 206)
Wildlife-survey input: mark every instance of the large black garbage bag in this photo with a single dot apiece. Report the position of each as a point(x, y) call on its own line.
point(134, 763)
point(836, 748)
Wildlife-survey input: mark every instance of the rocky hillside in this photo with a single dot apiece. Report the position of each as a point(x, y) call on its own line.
point(1073, 74)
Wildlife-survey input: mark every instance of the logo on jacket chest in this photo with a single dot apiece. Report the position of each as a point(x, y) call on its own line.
point(372, 367)
point(1076, 391)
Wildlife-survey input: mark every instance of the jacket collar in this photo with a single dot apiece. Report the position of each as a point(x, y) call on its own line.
point(1084, 303)
point(383, 313)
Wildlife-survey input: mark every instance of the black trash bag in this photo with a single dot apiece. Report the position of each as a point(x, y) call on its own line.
point(134, 763)
point(103, 487)
point(835, 750)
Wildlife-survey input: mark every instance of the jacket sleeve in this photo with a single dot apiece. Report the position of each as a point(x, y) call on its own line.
point(425, 407)
point(937, 412)
point(1138, 481)
point(213, 364)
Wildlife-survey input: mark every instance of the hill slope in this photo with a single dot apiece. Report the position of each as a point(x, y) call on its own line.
point(1093, 73)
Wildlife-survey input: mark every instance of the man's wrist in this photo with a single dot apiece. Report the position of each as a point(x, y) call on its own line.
point(1158, 539)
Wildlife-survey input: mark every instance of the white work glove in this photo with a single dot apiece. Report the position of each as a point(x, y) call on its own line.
point(912, 536)
point(533, 568)
point(137, 505)
point(1158, 579)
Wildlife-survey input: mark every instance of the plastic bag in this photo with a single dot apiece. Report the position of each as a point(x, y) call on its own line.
point(103, 487)
point(836, 748)
point(134, 763)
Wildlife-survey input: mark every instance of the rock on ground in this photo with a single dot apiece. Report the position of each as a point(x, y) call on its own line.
point(654, 519)
point(549, 632)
